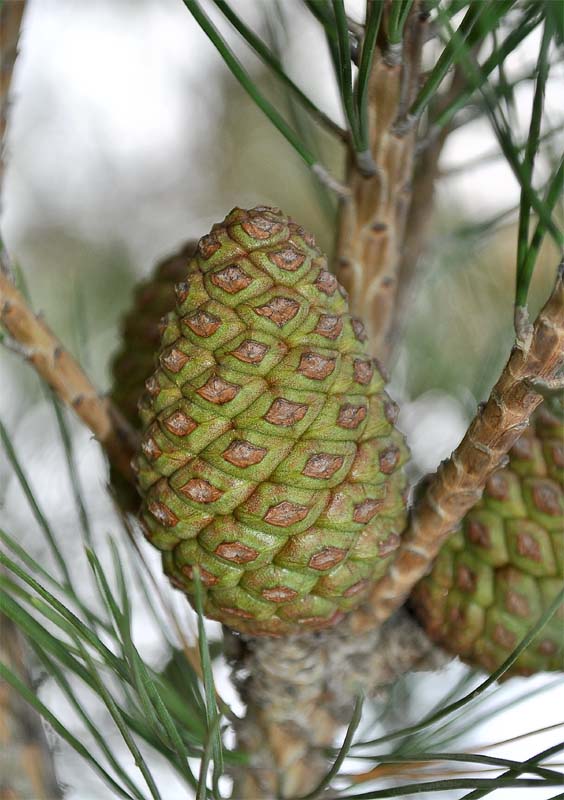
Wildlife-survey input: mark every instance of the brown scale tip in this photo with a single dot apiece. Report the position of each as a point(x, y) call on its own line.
point(279, 310)
point(231, 279)
point(316, 366)
point(286, 513)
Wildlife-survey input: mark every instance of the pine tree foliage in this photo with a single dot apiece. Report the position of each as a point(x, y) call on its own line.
point(81, 634)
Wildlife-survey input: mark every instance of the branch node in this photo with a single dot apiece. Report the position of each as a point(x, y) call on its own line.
point(366, 163)
point(393, 54)
point(480, 446)
point(405, 125)
point(523, 328)
point(547, 388)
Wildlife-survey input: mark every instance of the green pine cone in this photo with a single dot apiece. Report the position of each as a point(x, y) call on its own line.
point(135, 361)
point(494, 578)
point(269, 458)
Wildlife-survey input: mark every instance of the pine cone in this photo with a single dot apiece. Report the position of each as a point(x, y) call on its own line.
point(494, 578)
point(269, 457)
point(135, 361)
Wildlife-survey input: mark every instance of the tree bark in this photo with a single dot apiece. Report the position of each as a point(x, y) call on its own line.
point(372, 219)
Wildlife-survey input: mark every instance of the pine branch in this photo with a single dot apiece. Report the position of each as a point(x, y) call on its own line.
point(27, 767)
point(372, 219)
point(299, 691)
point(248, 84)
point(38, 345)
point(459, 481)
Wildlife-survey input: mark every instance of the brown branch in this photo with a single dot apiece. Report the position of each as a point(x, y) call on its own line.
point(417, 230)
point(372, 220)
point(59, 369)
point(458, 483)
point(31, 337)
point(26, 764)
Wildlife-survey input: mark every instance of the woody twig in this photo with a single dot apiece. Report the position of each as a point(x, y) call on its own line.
point(32, 337)
point(458, 483)
point(26, 764)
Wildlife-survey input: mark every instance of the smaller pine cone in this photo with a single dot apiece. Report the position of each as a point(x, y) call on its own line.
point(494, 578)
point(269, 458)
point(141, 335)
point(135, 361)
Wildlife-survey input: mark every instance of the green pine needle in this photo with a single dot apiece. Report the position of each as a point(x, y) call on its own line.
point(524, 767)
point(240, 73)
point(399, 12)
point(31, 698)
point(475, 80)
point(475, 693)
point(33, 504)
point(543, 67)
point(342, 754)
point(212, 710)
point(374, 17)
point(274, 62)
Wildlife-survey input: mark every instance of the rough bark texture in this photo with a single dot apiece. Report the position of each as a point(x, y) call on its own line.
point(301, 691)
point(458, 483)
point(26, 767)
point(372, 220)
point(43, 350)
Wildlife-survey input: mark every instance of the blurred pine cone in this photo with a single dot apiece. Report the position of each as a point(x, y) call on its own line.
point(493, 579)
point(135, 360)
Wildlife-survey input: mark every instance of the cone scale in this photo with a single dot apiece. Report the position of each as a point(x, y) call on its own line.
point(494, 578)
point(269, 458)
